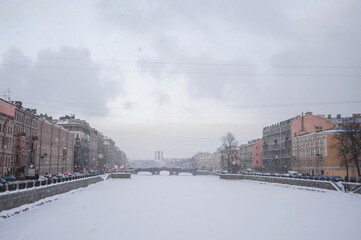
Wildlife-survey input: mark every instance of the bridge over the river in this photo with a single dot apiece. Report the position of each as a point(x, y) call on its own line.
point(172, 171)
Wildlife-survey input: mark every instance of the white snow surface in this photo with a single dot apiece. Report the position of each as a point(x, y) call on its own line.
point(188, 207)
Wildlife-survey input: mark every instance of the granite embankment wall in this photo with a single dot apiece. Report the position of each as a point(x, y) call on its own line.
point(352, 187)
point(290, 181)
point(204, 172)
point(119, 175)
point(17, 198)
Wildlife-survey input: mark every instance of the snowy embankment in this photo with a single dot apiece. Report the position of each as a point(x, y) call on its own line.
point(187, 207)
point(13, 199)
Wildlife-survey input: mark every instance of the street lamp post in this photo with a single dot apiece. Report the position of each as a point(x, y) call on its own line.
point(275, 163)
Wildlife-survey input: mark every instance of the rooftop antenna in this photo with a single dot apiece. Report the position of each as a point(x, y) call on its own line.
point(6, 94)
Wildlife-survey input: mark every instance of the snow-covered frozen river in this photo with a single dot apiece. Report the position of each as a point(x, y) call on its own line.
point(187, 207)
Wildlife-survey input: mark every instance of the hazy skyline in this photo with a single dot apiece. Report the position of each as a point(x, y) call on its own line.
point(177, 75)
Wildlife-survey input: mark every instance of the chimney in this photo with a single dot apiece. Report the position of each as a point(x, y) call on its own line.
point(318, 128)
point(33, 111)
point(338, 115)
point(18, 104)
point(356, 115)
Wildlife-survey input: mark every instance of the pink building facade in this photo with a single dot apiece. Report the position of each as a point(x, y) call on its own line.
point(7, 111)
point(257, 155)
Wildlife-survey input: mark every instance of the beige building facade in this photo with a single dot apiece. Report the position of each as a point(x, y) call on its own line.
point(318, 153)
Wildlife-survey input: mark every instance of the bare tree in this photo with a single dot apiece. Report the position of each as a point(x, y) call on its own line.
point(229, 152)
point(349, 142)
point(343, 151)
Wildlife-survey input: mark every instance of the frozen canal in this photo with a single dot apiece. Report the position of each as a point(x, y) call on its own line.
point(187, 207)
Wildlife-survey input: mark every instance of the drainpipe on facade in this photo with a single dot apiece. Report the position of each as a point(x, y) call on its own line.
point(3, 146)
point(51, 147)
point(40, 145)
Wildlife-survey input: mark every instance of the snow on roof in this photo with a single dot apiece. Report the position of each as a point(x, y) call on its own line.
point(344, 120)
point(330, 131)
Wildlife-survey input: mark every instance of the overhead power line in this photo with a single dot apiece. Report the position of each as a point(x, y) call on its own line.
point(182, 72)
point(185, 107)
point(184, 63)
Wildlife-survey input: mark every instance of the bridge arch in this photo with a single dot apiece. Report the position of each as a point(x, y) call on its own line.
point(165, 171)
point(144, 173)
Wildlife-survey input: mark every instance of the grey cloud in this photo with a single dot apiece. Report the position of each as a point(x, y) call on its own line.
point(161, 97)
point(64, 87)
point(167, 23)
point(213, 82)
point(128, 105)
point(149, 17)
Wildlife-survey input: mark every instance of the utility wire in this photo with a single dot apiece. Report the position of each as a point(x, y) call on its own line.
point(185, 63)
point(182, 72)
point(188, 107)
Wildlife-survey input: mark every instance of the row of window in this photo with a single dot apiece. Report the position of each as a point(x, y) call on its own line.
point(8, 143)
point(6, 164)
point(4, 128)
point(310, 162)
point(312, 142)
point(311, 171)
point(311, 152)
point(23, 118)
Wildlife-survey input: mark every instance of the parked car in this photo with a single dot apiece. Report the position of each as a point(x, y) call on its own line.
point(325, 178)
point(20, 176)
point(10, 178)
point(336, 178)
point(55, 179)
point(2, 187)
point(306, 176)
point(316, 177)
point(60, 176)
point(350, 179)
point(48, 176)
point(3, 180)
point(42, 178)
point(78, 174)
point(299, 176)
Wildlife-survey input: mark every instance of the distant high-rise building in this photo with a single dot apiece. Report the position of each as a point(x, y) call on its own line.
point(158, 156)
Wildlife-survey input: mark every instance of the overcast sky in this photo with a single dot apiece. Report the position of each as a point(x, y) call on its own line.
point(177, 75)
